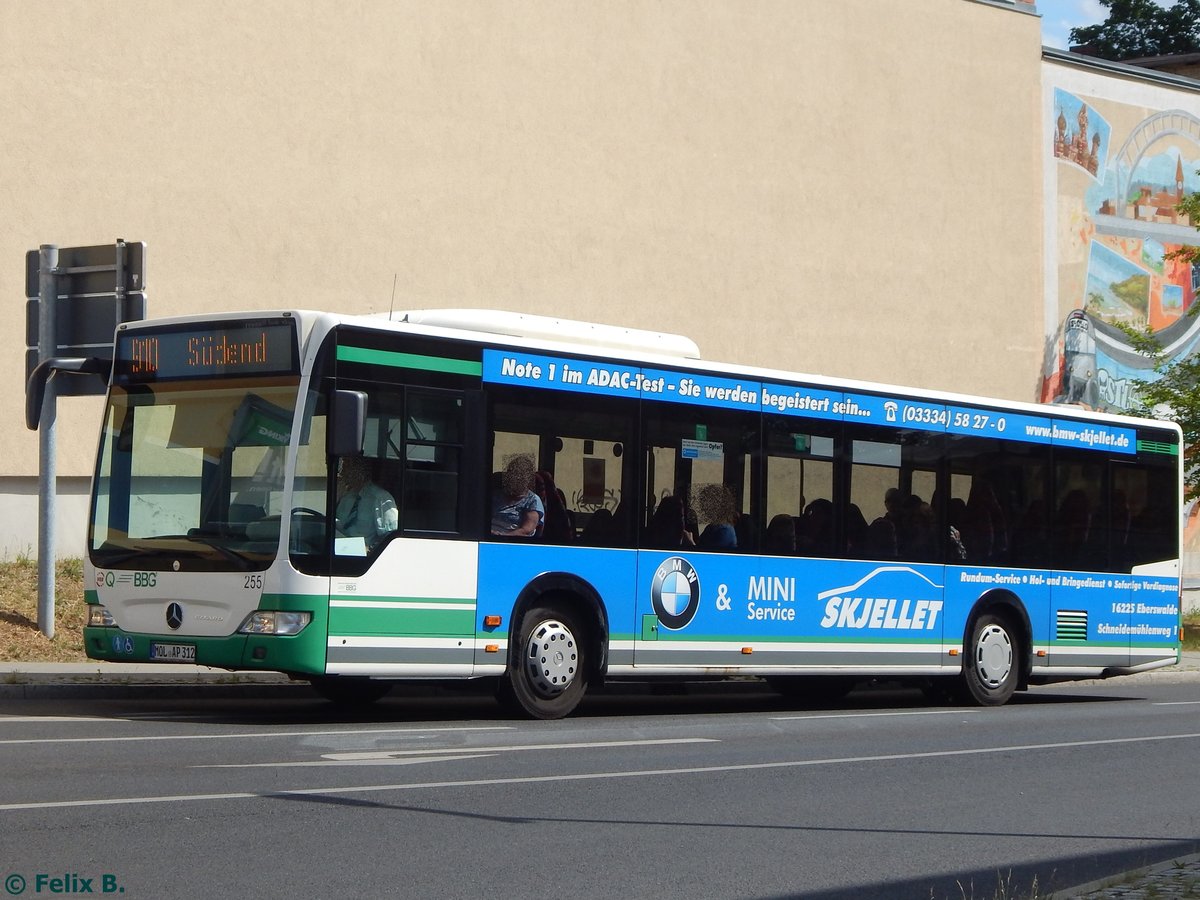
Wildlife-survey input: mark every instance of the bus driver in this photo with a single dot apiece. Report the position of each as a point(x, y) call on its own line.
point(364, 509)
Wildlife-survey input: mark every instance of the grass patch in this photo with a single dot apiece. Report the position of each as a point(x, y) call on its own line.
point(20, 639)
point(1191, 630)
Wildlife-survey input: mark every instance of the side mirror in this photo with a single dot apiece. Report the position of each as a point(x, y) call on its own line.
point(347, 423)
point(35, 388)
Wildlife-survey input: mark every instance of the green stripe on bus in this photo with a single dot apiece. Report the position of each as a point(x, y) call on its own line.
point(410, 361)
point(1158, 447)
point(917, 638)
point(388, 598)
point(399, 622)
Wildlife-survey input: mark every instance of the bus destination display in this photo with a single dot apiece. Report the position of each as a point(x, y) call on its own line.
point(266, 347)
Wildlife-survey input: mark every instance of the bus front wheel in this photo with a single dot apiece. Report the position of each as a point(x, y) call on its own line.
point(547, 675)
point(992, 666)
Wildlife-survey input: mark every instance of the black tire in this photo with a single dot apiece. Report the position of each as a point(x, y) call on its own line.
point(348, 691)
point(992, 661)
point(547, 672)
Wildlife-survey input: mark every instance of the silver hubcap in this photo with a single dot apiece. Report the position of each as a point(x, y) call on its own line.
point(993, 656)
point(552, 657)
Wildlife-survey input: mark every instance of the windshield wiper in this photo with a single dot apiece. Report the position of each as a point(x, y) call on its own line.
point(243, 561)
point(114, 558)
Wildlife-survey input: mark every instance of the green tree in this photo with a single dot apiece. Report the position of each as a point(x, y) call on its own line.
point(1175, 394)
point(1137, 28)
point(1190, 207)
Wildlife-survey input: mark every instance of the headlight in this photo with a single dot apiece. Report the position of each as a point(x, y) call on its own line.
point(275, 622)
point(100, 617)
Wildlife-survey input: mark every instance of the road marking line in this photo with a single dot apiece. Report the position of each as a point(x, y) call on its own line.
point(254, 734)
point(583, 745)
point(321, 763)
point(922, 712)
point(389, 757)
point(590, 776)
point(1177, 703)
point(4, 720)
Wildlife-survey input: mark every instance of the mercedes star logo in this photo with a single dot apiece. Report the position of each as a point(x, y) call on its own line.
point(174, 615)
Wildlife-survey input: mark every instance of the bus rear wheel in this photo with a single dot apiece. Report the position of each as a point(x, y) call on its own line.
point(992, 667)
point(547, 673)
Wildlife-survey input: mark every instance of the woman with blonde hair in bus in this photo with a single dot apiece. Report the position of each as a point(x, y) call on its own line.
point(516, 510)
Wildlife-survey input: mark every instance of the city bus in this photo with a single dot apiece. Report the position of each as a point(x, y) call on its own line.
point(692, 520)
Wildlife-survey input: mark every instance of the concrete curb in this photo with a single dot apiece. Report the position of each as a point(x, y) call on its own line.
point(128, 673)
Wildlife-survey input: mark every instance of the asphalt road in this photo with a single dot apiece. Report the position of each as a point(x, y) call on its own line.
point(202, 794)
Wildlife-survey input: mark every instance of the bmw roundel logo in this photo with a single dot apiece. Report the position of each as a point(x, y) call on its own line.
point(675, 592)
point(174, 615)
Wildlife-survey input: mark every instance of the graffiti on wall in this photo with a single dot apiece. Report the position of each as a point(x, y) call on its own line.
point(1120, 174)
point(1118, 170)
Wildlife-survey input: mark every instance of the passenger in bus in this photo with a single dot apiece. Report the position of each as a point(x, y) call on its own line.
point(556, 527)
point(600, 530)
point(781, 535)
point(516, 510)
point(956, 517)
point(691, 523)
point(562, 498)
point(746, 531)
point(814, 537)
point(985, 533)
point(364, 509)
point(856, 531)
point(915, 539)
point(668, 526)
point(891, 502)
point(715, 504)
point(881, 539)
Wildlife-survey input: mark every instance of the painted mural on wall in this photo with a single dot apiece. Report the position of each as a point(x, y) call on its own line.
point(1120, 156)
point(1120, 172)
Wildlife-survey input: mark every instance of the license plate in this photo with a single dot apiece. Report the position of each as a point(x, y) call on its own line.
point(173, 652)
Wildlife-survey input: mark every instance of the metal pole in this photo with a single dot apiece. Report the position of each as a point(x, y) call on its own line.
point(47, 471)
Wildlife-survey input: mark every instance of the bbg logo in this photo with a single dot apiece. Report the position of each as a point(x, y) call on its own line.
point(675, 592)
point(137, 579)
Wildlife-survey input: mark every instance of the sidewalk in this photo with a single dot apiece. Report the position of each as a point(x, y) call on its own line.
point(96, 672)
point(29, 680)
point(1171, 880)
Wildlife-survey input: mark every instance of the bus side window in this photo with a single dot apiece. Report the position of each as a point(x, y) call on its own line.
point(998, 511)
point(893, 509)
point(703, 455)
point(578, 453)
point(431, 469)
point(799, 487)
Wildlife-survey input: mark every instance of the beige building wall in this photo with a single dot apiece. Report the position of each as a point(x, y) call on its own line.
point(849, 188)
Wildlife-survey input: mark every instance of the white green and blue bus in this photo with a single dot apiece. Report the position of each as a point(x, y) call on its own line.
point(819, 532)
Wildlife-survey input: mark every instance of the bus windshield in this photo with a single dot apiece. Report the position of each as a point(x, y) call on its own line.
point(190, 474)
